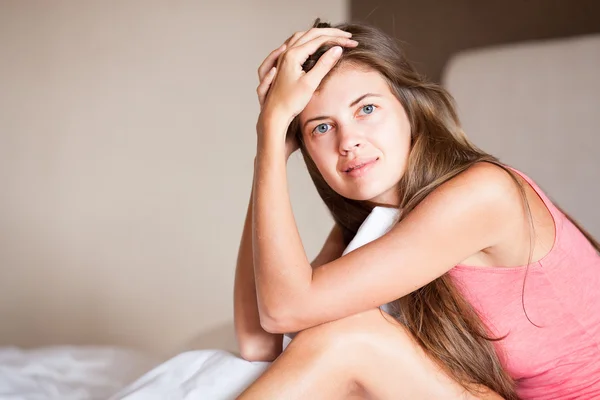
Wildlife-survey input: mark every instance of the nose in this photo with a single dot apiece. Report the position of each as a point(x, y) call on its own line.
point(350, 139)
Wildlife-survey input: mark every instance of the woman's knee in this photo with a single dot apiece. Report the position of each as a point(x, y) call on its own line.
point(351, 332)
point(374, 350)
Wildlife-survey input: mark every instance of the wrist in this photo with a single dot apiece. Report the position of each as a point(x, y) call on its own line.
point(268, 122)
point(263, 147)
point(270, 148)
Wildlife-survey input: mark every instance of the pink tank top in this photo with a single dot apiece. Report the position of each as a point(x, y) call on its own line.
point(559, 358)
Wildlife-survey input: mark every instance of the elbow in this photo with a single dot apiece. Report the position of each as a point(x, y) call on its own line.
point(275, 318)
point(259, 352)
point(259, 346)
point(273, 325)
point(277, 321)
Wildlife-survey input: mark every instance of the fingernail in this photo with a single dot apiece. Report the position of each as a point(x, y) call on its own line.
point(336, 51)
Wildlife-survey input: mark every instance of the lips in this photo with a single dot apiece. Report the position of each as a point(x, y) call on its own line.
point(357, 163)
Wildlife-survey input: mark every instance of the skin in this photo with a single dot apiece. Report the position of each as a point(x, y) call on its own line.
point(377, 126)
point(346, 346)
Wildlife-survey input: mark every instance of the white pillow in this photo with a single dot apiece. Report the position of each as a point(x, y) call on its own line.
point(378, 223)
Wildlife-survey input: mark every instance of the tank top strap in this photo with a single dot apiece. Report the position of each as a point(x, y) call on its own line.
point(557, 215)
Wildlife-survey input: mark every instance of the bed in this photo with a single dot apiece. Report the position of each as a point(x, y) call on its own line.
point(69, 372)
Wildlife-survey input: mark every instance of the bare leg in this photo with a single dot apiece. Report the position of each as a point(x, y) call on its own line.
point(309, 368)
point(368, 355)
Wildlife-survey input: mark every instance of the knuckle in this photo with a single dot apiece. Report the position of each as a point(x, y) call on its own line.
point(289, 53)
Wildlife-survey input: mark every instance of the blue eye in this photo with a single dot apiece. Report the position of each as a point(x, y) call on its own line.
point(321, 128)
point(368, 108)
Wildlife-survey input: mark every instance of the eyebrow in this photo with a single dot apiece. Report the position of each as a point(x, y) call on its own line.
point(355, 102)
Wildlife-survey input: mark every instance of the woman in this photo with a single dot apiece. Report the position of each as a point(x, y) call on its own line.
point(491, 287)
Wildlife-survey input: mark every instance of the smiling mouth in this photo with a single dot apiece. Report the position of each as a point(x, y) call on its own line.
point(361, 165)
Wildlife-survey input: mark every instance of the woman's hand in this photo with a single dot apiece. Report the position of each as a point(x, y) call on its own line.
point(285, 88)
point(266, 74)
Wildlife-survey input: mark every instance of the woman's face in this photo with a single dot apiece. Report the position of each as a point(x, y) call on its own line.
point(354, 117)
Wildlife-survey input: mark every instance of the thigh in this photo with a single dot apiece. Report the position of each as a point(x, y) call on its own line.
point(384, 359)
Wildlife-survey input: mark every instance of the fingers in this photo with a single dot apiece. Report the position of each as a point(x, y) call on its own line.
point(297, 38)
point(269, 62)
point(294, 38)
point(272, 58)
point(263, 88)
point(325, 63)
point(315, 32)
point(296, 50)
point(300, 53)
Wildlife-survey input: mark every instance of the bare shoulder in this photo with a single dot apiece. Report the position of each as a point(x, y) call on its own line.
point(486, 181)
point(483, 202)
point(524, 213)
point(483, 186)
point(494, 188)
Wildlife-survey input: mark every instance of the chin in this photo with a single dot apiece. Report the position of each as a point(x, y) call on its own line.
point(362, 195)
point(366, 191)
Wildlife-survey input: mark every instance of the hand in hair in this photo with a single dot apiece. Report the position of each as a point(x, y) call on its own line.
point(285, 88)
point(266, 74)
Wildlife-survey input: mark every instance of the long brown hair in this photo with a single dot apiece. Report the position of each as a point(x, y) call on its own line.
point(445, 325)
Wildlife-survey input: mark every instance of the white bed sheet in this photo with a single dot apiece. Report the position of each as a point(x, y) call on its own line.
point(218, 374)
point(69, 372)
point(201, 374)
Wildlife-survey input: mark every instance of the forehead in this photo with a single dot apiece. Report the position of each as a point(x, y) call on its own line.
point(342, 86)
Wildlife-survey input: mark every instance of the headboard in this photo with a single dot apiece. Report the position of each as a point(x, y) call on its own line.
point(536, 106)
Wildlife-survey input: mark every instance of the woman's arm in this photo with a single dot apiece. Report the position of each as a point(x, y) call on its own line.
point(254, 342)
point(475, 210)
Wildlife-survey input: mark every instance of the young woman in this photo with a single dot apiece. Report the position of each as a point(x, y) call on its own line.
point(492, 288)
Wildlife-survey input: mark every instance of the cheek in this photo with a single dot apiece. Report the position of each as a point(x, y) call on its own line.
point(327, 166)
point(405, 141)
point(403, 145)
point(397, 134)
point(403, 137)
point(321, 158)
point(396, 145)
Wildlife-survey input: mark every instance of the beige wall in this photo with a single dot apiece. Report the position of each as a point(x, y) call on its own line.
point(126, 147)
